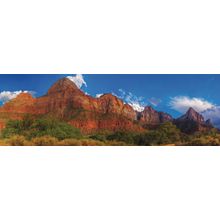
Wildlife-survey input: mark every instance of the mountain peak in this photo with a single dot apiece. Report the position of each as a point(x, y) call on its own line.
point(61, 85)
point(192, 115)
point(192, 122)
point(21, 104)
point(24, 96)
point(149, 109)
point(150, 116)
point(191, 111)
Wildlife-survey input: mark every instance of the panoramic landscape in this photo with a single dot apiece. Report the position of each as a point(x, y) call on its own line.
point(109, 110)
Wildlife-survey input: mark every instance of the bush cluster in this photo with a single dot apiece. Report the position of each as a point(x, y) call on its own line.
point(166, 133)
point(31, 128)
point(52, 132)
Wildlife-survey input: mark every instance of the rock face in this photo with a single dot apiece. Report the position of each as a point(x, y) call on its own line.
point(64, 100)
point(192, 122)
point(23, 103)
point(149, 116)
point(192, 115)
point(16, 108)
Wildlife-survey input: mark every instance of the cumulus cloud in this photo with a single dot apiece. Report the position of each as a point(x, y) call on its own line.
point(183, 103)
point(8, 95)
point(78, 80)
point(213, 114)
point(136, 102)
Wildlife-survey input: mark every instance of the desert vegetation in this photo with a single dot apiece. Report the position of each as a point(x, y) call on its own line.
point(48, 132)
point(52, 132)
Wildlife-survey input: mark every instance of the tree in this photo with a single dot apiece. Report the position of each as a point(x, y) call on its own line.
point(166, 133)
point(31, 128)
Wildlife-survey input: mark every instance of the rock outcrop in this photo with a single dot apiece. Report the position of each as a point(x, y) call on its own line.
point(23, 103)
point(149, 116)
point(192, 122)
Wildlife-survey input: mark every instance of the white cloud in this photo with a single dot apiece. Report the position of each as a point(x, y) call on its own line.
point(183, 103)
point(8, 95)
point(99, 95)
point(137, 103)
point(78, 80)
point(213, 114)
point(136, 106)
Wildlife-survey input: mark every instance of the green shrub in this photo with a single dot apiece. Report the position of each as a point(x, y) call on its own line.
point(98, 137)
point(13, 127)
point(166, 133)
point(31, 128)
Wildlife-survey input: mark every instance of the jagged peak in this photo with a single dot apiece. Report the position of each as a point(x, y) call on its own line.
point(62, 85)
point(193, 115)
point(191, 111)
point(110, 96)
point(149, 108)
point(19, 104)
point(23, 96)
point(107, 95)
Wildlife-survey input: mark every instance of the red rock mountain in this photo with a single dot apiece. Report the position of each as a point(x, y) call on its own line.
point(192, 115)
point(149, 116)
point(66, 101)
point(192, 122)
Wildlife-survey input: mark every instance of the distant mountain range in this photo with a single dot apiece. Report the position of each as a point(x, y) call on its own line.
point(64, 100)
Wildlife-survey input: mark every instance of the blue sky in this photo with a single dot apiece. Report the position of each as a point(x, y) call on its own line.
point(172, 93)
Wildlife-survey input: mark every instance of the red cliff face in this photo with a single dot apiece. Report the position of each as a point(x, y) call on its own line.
point(16, 108)
point(149, 116)
point(109, 104)
point(64, 99)
point(90, 122)
point(23, 103)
